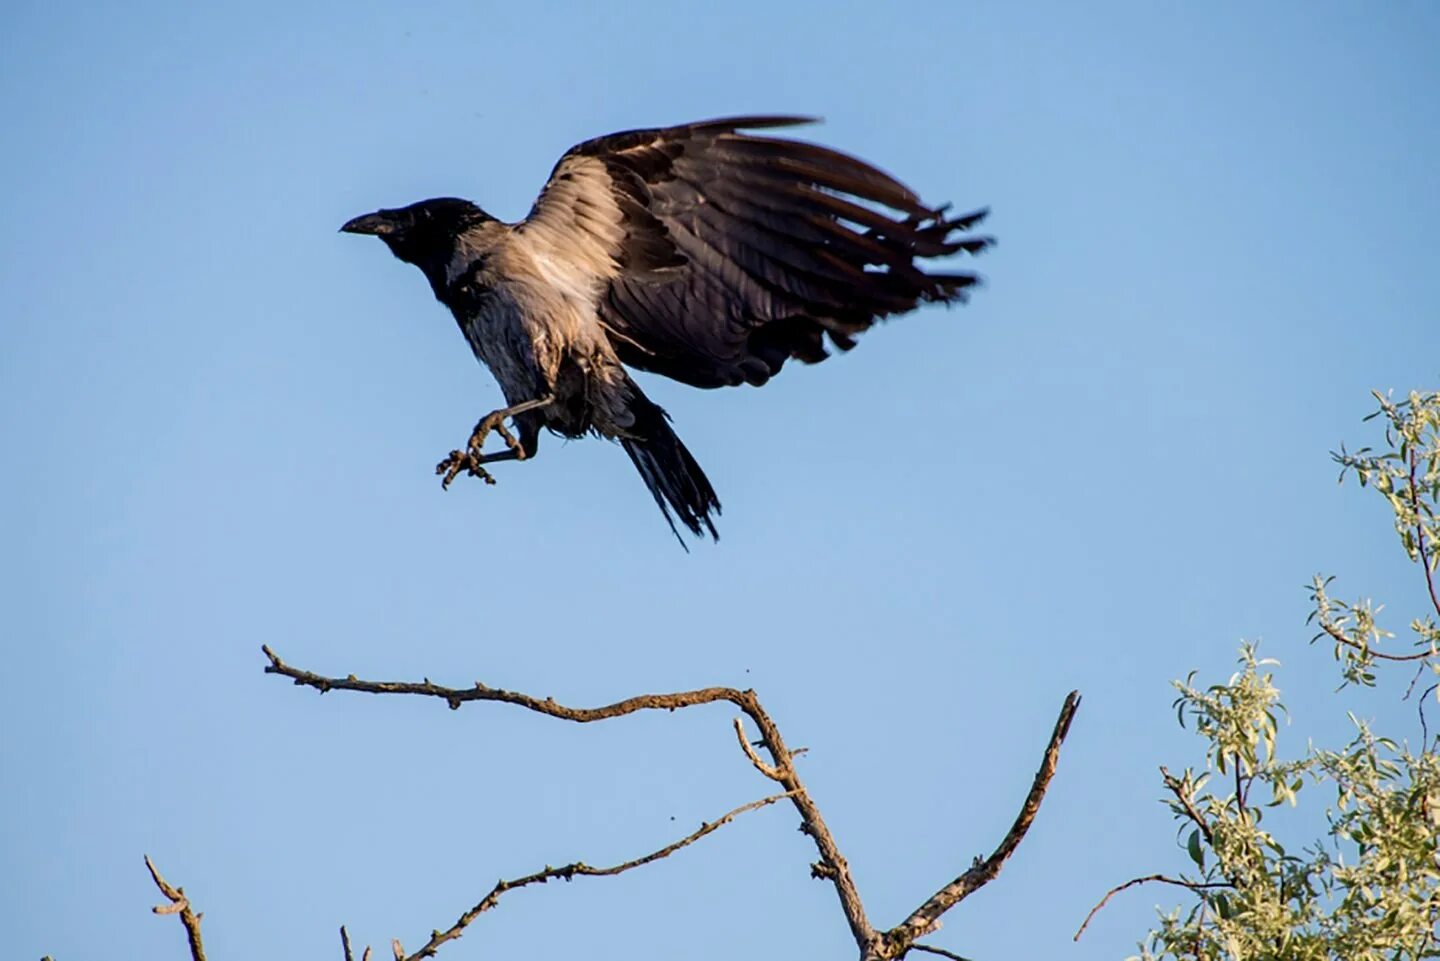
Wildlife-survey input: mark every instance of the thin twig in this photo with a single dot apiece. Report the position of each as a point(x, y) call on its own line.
point(571, 871)
point(760, 765)
point(922, 920)
point(179, 904)
point(940, 951)
point(1192, 885)
point(1410, 688)
point(1424, 727)
point(836, 868)
point(1342, 638)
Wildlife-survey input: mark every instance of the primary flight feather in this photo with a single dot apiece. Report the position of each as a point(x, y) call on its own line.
point(699, 252)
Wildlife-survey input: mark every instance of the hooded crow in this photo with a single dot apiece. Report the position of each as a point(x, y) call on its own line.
point(698, 252)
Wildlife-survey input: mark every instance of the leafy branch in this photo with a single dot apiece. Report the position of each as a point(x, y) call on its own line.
point(1368, 889)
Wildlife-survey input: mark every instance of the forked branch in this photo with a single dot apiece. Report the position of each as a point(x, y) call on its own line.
point(873, 945)
point(179, 904)
point(836, 869)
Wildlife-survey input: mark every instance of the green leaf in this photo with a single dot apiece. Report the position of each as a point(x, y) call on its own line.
point(1197, 853)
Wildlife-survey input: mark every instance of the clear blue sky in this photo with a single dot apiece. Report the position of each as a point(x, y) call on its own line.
point(1217, 232)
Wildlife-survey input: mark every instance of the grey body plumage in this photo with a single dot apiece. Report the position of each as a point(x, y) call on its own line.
point(698, 252)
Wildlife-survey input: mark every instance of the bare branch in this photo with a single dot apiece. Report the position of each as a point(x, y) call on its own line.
point(834, 867)
point(922, 921)
point(1410, 688)
point(1192, 885)
point(831, 866)
point(571, 871)
point(179, 904)
point(760, 765)
point(457, 696)
point(940, 951)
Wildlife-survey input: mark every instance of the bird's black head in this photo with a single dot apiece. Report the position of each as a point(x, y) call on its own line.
point(422, 234)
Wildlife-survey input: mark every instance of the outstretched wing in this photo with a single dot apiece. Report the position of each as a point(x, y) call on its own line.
point(717, 255)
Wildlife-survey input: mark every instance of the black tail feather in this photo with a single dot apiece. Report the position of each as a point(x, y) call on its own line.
point(675, 480)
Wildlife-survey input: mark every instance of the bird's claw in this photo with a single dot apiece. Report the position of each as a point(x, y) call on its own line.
point(493, 422)
point(450, 468)
point(472, 458)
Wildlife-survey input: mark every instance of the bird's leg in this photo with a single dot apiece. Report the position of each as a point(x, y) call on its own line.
point(472, 459)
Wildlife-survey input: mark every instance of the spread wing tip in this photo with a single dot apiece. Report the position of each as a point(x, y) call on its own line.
point(755, 122)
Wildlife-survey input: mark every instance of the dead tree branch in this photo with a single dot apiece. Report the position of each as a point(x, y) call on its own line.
point(873, 945)
point(578, 869)
point(925, 918)
point(928, 949)
point(813, 824)
point(179, 904)
point(345, 944)
point(760, 765)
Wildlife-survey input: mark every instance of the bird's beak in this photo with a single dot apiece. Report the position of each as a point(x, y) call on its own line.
point(377, 223)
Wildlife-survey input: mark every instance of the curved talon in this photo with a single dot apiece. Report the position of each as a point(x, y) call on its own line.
point(458, 461)
point(472, 458)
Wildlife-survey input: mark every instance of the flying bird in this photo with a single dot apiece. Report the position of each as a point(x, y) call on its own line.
point(699, 252)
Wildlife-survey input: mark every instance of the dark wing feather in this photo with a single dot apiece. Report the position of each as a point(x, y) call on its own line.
point(735, 252)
